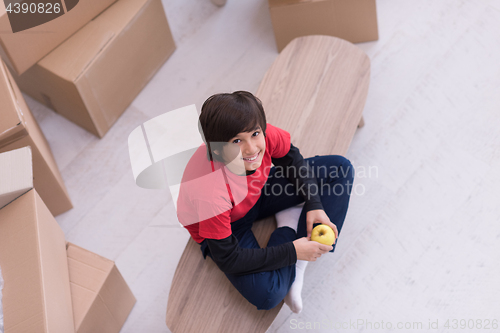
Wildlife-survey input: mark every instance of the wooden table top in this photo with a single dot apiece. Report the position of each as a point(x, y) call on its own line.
point(316, 89)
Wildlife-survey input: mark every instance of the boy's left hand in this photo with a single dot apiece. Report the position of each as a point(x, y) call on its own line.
point(319, 216)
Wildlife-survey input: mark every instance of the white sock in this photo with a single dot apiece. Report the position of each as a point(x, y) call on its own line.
point(294, 297)
point(289, 217)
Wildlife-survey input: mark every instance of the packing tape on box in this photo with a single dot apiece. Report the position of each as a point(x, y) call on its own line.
point(1, 309)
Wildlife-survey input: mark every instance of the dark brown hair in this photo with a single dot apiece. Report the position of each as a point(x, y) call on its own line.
point(225, 115)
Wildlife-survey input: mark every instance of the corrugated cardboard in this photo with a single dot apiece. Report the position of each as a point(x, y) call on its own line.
point(18, 128)
point(102, 299)
point(36, 295)
point(23, 49)
point(16, 174)
point(352, 20)
point(94, 76)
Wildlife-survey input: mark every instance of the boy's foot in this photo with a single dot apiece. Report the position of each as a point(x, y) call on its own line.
point(289, 217)
point(294, 297)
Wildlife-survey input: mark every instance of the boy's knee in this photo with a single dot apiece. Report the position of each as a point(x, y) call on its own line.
point(275, 292)
point(341, 167)
point(347, 168)
point(272, 300)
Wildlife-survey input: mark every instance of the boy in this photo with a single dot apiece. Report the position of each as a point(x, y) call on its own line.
point(229, 183)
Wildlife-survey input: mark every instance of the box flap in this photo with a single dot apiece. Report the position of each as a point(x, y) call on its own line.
point(102, 299)
point(54, 271)
point(70, 59)
point(117, 296)
point(10, 112)
point(88, 258)
point(16, 171)
point(87, 274)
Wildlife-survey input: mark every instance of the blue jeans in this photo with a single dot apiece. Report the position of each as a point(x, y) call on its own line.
point(335, 175)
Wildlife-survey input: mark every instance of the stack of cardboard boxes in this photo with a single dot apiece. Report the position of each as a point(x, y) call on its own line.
point(18, 128)
point(51, 286)
point(87, 63)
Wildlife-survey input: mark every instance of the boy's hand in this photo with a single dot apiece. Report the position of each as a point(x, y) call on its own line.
point(309, 250)
point(319, 216)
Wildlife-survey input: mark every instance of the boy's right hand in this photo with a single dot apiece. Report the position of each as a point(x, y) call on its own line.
point(310, 250)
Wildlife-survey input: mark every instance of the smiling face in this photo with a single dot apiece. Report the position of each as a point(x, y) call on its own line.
point(233, 126)
point(245, 150)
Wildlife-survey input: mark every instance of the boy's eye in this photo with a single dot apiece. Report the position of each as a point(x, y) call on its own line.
point(254, 134)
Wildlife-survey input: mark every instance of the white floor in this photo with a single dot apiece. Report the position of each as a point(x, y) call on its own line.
point(422, 237)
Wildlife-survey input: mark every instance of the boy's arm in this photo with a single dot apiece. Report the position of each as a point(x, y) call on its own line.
point(233, 259)
point(301, 175)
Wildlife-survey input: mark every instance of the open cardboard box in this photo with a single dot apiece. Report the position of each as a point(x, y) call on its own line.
point(23, 49)
point(94, 76)
point(101, 298)
point(36, 293)
point(352, 20)
point(51, 286)
point(18, 128)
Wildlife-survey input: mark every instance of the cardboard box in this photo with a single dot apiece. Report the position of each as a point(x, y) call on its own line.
point(36, 294)
point(16, 174)
point(102, 299)
point(18, 128)
point(23, 49)
point(352, 20)
point(94, 76)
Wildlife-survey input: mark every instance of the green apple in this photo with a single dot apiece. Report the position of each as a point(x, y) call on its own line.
point(323, 234)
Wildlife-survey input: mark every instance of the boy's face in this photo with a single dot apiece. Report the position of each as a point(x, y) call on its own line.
point(248, 147)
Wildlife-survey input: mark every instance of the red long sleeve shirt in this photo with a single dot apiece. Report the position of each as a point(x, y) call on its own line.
point(211, 197)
